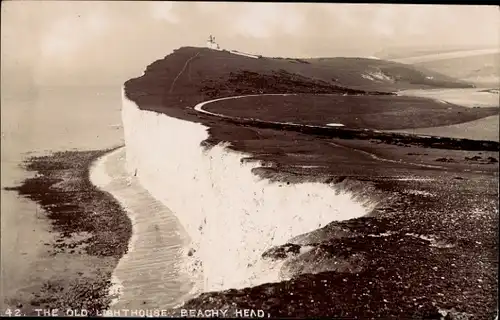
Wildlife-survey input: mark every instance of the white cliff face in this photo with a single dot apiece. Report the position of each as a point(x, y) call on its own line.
point(231, 215)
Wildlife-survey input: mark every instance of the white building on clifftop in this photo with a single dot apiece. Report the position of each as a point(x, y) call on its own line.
point(212, 44)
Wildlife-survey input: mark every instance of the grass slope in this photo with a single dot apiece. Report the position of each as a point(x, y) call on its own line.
point(175, 84)
point(373, 112)
point(190, 75)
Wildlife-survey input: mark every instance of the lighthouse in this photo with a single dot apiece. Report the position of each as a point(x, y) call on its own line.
point(212, 44)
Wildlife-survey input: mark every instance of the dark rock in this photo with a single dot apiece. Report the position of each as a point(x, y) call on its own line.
point(445, 160)
point(282, 252)
point(328, 232)
point(474, 158)
point(317, 260)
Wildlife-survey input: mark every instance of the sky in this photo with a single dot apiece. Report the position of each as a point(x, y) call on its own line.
point(107, 42)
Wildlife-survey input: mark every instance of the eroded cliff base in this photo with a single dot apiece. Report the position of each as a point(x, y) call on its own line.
point(430, 252)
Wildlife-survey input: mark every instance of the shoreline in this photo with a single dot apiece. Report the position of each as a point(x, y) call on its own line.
point(158, 243)
point(90, 227)
point(98, 177)
point(96, 160)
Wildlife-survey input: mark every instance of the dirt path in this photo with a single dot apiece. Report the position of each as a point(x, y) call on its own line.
point(182, 70)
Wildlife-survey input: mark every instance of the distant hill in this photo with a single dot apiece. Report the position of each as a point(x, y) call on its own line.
point(477, 65)
point(482, 70)
point(376, 74)
point(404, 52)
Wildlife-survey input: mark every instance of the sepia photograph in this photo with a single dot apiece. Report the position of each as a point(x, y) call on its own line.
point(249, 159)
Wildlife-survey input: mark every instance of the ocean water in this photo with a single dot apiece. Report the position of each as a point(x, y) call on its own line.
point(36, 121)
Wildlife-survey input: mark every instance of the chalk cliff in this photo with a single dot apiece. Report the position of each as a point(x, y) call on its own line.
point(231, 215)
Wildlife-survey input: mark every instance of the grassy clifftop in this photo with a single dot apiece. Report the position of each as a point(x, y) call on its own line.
point(190, 75)
point(175, 84)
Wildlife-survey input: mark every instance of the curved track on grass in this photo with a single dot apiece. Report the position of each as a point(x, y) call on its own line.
point(199, 108)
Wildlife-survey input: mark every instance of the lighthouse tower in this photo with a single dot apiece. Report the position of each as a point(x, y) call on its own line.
point(212, 44)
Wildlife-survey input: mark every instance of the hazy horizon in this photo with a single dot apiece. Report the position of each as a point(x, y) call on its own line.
point(107, 42)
